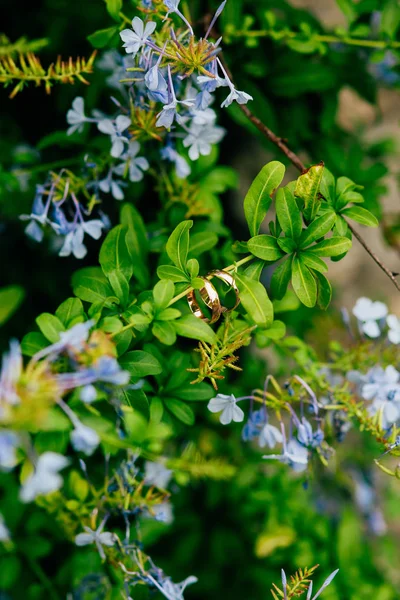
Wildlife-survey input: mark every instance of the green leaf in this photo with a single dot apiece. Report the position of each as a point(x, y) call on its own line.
point(286, 244)
point(361, 215)
point(173, 273)
point(103, 37)
point(169, 314)
point(50, 326)
point(33, 342)
point(390, 20)
point(265, 247)
point(304, 283)
point(197, 392)
point(114, 7)
point(324, 291)
point(90, 285)
point(140, 363)
point(178, 244)
point(165, 332)
point(288, 213)
point(70, 312)
point(163, 293)
point(307, 188)
point(191, 327)
point(136, 242)
point(276, 332)
point(328, 187)
point(122, 341)
point(258, 198)
point(348, 9)
point(281, 278)
point(313, 262)
point(334, 246)
point(201, 242)
point(254, 298)
point(254, 269)
point(180, 410)
point(10, 299)
point(317, 229)
point(114, 254)
point(341, 227)
point(120, 286)
point(137, 400)
point(193, 267)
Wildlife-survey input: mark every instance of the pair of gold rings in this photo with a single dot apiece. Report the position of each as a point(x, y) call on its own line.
point(210, 297)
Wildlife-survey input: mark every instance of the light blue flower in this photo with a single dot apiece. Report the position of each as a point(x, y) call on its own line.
point(106, 369)
point(4, 532)
point(255, 422)
point(327, 581)
point(136, 39)
point(9, 442)
point(393, 323)
point(73, 243)
point(109, 185)
point(155, 81)
point(136, 165)
point(306, 436)
point(84, 439)
point(46, 478)
point(200, 139)
point(88, 394)
point(368, 315)
point(163, 512)
point(270, 436)
point(114, 129)
point(11, 370)
point(236, 95)
point(157, 474)
point(228, 408)
point(294, 454)
point(70, 341)
point(169, 589)
point(98, 537)
point(76, 116)
point(181, 165)
point(39, 218)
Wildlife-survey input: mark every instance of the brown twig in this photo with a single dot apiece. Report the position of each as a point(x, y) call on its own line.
point(296, 161)
point(378, 261)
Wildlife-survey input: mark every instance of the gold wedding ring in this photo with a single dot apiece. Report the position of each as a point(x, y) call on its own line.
point(230, 281)
point(209, 295)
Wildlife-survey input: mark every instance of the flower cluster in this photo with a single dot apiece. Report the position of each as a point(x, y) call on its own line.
point(166, 104)
point(373, 319)
point(29, 393)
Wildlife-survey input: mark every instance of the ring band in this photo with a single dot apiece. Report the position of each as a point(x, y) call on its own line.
point(230, 281)
point(210, 297)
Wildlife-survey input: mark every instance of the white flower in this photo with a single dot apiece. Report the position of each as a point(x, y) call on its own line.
point(4, 533)
point(240, 97)
point(383, 388)
point(73, 243)
point(71, 340)
point(156, 474)
point(88, 394)
point(368, 313)
point(84, 439)
point(8, 445)
point(171, 590)
point(76, 116)
point(11, 370)
point(114, 129)
point(228, 408)
point(270, 436)
point(46, 477)
point(97, 537)
point(136, 164)
point(163, 512)
point(394, 329)
point(200, 139)
point(294, 454)
point(134, 40)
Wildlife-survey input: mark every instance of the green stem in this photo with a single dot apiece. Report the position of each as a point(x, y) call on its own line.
point(328, 39)
point(48, 166)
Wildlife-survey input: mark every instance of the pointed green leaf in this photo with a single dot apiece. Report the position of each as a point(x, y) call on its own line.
point(324, 291)
point(114, 254)
point(281, 278)
point(198, 392)
point(288, 213)
point(136, 242)
point(334, 246)
point(173, 273)
point(254, 298)
point(90, 285)
point(165, 332)
point(10, 299)
point(361, 215)
point(258, 198)
point(313, 262)
point(50, 326)
point(328, 187)
point(201, 242)
point(180, 410)
point(286, 244)
point(140, 363)
point(191, 327)
point(33, 342)
point(317, 229)
point(70, 312)
point(304, 283)
point(163, 293)
point(307, 188)
point(178, 244)
point(265, 247)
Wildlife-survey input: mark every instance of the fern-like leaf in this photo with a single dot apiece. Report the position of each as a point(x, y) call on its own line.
point(28, 68)
point(20, 46)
